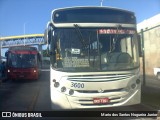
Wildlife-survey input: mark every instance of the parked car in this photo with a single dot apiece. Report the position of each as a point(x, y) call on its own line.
point(157, 73)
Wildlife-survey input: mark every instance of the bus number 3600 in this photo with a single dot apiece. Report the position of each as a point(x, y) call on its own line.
point(77, 85)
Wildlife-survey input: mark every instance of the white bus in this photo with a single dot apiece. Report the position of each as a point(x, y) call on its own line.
point(94, 58)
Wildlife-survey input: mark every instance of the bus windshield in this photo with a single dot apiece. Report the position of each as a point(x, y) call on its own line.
point(82, 49)
point(22, 60)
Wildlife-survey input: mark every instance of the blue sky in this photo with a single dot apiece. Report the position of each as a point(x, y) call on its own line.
point(18, 17)
point(15, 15)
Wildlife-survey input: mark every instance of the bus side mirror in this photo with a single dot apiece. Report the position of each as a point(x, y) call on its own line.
point(48, 35)
point(47, 39)
point(139, 46)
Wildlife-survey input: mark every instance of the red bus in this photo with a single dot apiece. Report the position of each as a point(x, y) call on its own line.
point(23, 62)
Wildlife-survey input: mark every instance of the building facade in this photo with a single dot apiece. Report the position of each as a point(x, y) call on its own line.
point(150, 29)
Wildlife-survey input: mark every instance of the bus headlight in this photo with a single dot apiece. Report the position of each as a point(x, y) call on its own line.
point(138, 81)
point(63, 89)
point(56, 84)
point(133, 86)
point(9, 71)
point(71, 92)
point(34, 71)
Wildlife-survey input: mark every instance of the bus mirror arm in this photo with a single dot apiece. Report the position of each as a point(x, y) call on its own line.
point(48, 32)
point(6, 54)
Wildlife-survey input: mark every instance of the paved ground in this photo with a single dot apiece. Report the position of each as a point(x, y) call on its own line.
point(152, 81)
point(151, 92)
point(36, 97)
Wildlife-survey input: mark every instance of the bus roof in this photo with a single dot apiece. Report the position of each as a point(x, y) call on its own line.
point(96, 7)
point(92, 14)
point(19, 48)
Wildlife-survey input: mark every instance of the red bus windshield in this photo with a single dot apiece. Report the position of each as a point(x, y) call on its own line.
point(22, 60)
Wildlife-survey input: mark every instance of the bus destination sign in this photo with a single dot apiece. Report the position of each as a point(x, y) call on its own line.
point(116, 31)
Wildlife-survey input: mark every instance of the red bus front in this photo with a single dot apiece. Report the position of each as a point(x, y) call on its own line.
point(22, 73)
point(22, 65)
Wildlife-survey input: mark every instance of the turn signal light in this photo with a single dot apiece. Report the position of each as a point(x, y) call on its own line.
point(54, 80)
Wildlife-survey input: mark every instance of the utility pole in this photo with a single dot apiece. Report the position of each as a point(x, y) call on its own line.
point(24, 30)
point(0, 50)
point(101, 3)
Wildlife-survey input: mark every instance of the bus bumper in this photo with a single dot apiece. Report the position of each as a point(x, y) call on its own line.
point(60, 101)
point(21, 74)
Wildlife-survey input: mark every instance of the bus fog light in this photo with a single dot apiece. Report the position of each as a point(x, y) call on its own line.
point(71, 92)
point(133, 86)
point(63, 89)
point(138, 81)
point(34, 71)
point(56, 84)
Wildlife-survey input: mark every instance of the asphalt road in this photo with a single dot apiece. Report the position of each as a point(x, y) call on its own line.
point(26, 95)
point(35, 96)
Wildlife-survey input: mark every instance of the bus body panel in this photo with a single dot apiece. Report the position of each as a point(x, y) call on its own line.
point(120, 92)
point(60, 101)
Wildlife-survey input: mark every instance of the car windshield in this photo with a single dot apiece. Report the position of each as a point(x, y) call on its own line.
point(84, 49)
point(22, 60)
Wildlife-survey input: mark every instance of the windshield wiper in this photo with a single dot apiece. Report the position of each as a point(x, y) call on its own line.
point(83, 41)
point(80, 35)
point(116, 38)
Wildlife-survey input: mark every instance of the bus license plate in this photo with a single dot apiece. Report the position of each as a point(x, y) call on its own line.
point(100, 100)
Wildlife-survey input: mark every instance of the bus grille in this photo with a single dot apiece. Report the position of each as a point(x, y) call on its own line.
point(95, 91)
point(99, 78)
